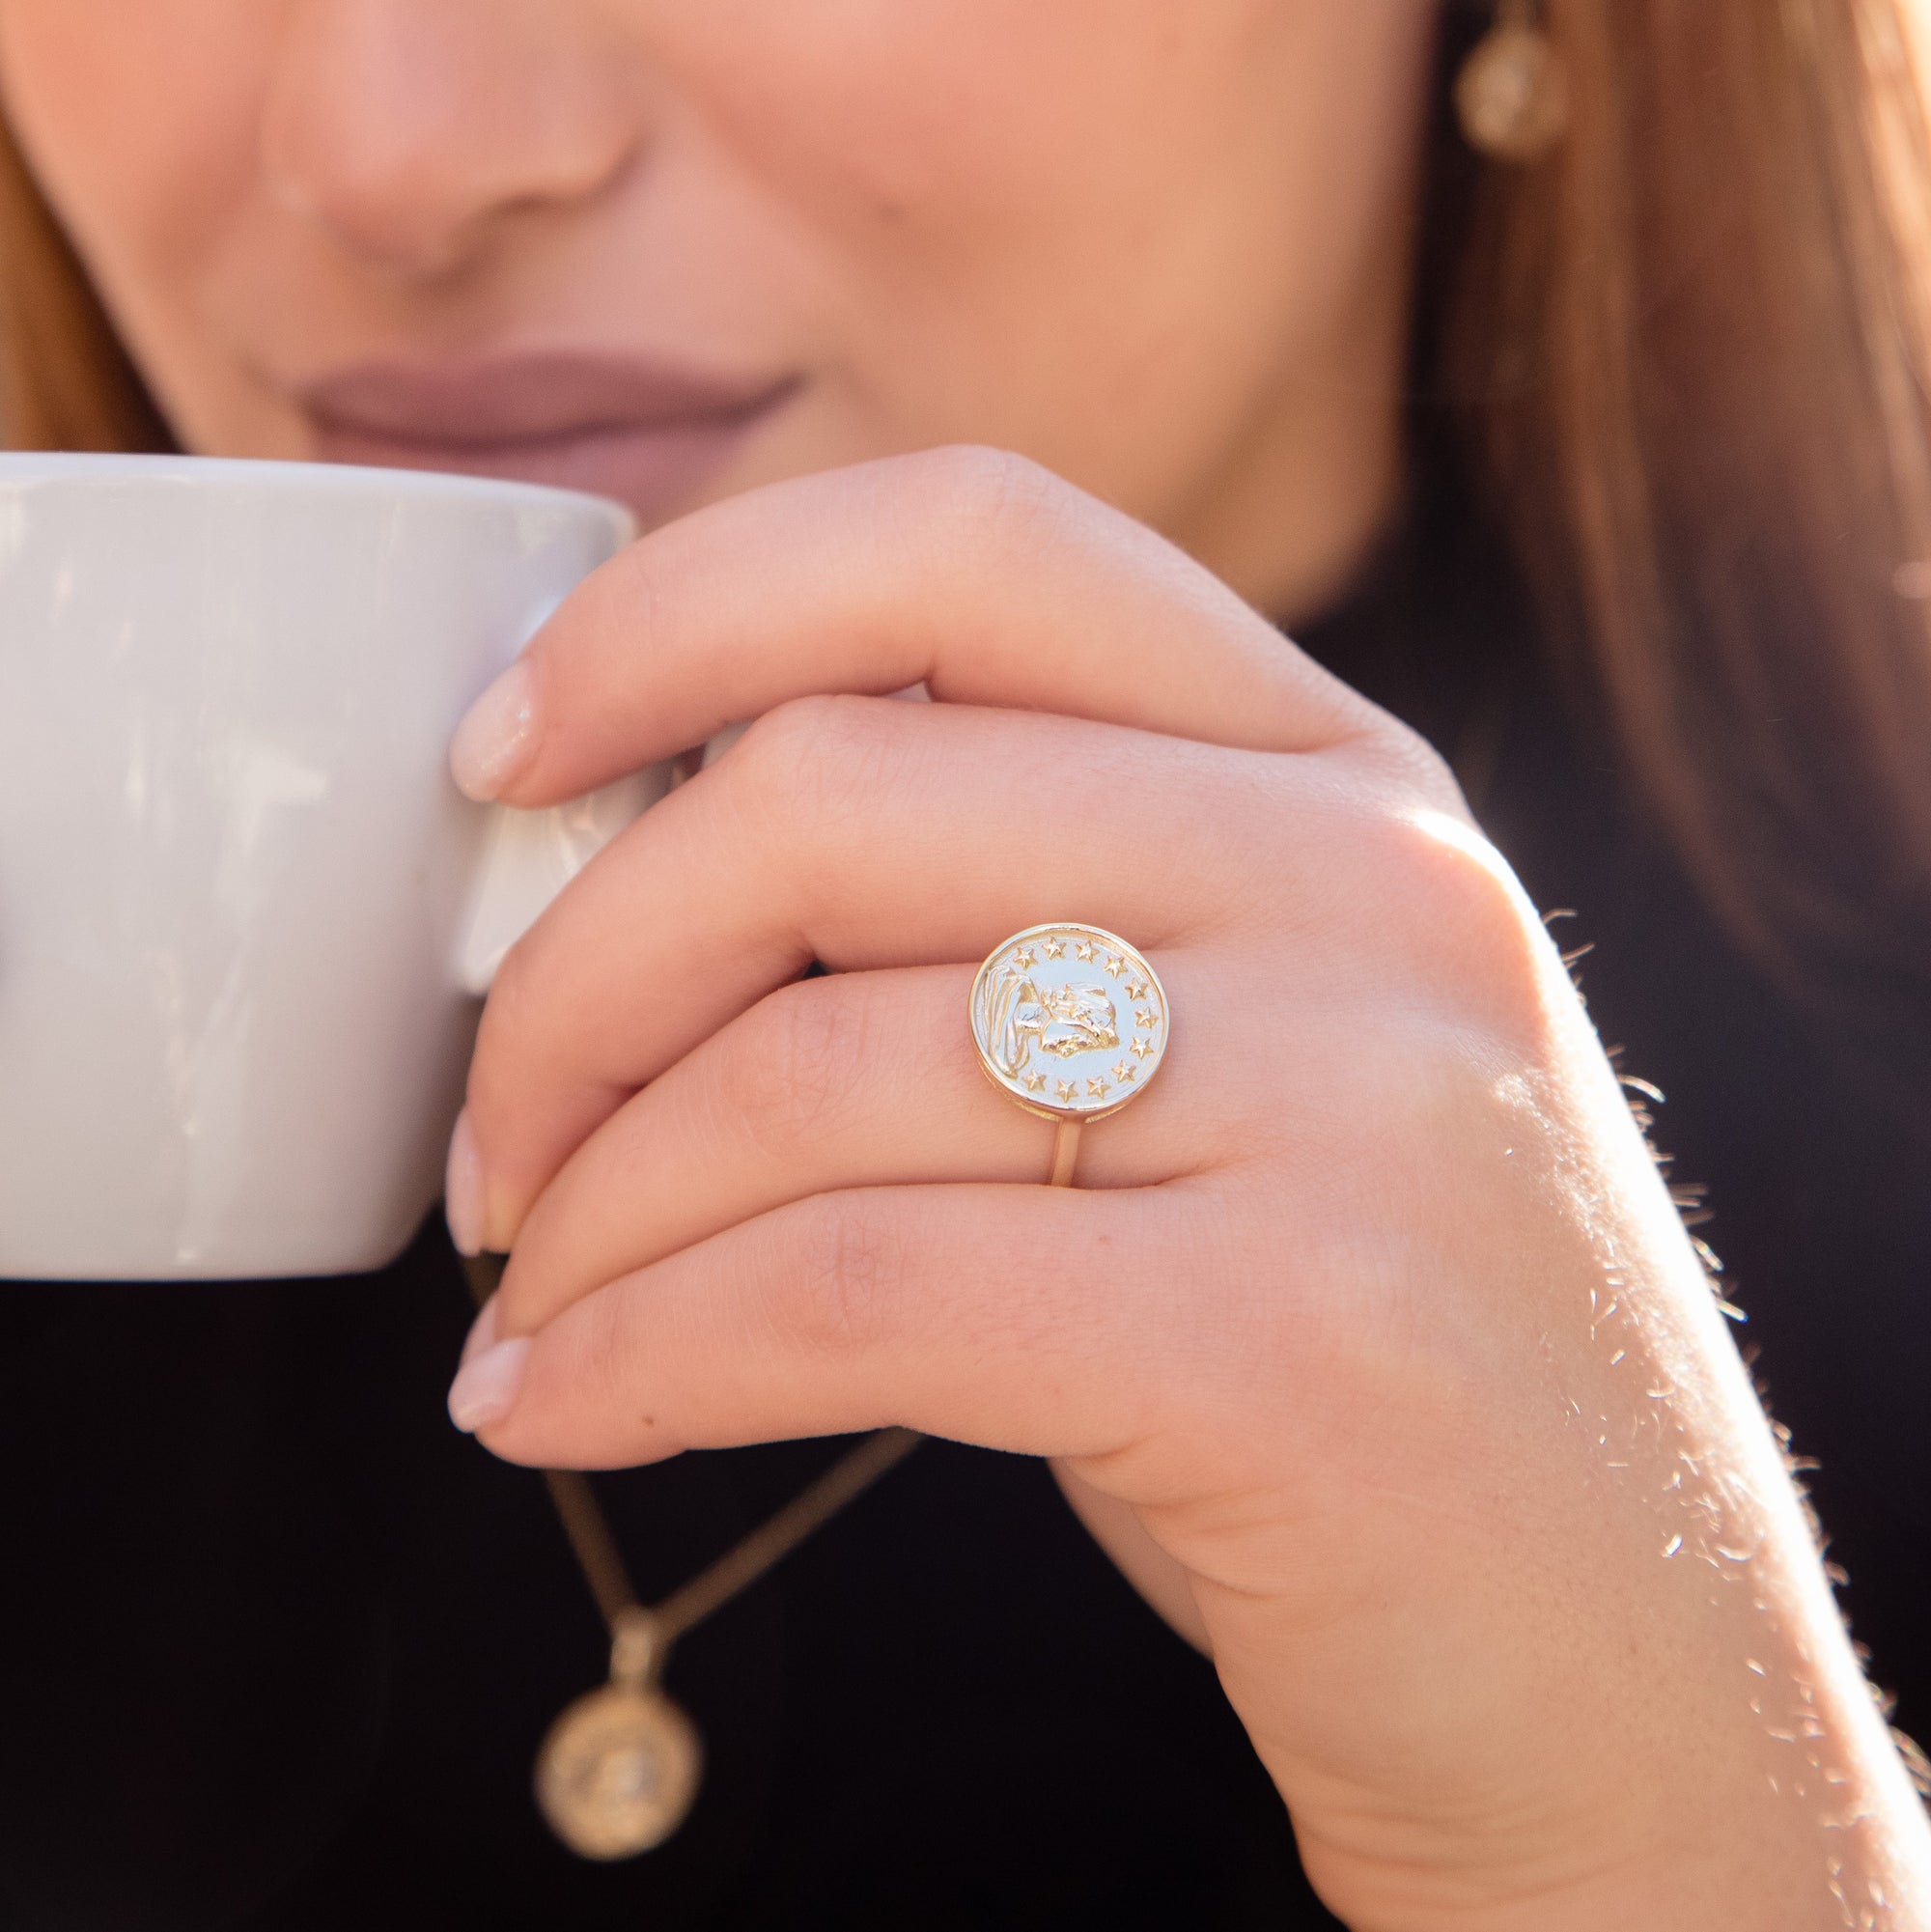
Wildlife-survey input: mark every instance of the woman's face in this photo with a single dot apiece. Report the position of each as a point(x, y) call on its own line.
point(669, 249)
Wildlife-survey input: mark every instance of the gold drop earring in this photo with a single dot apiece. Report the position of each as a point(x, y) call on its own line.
point(1512, 95)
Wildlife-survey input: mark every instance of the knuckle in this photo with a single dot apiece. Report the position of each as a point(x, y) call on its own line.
point(1417, 767)
point(806, 759)
point(514, 1005)
point(606, 1359)
point(1402, 770)
point(514, 1018)
point(984, 497)
point(836, 1294)
point(1461, 917)
point(788, 1082)
point(1414, 901)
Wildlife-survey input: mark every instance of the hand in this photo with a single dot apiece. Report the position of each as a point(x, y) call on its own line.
point(1370, 1342)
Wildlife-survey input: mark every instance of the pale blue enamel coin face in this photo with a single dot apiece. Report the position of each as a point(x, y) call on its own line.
point(1070, 1020)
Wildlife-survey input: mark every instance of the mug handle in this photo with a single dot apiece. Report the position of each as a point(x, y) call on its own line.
point(528, 857)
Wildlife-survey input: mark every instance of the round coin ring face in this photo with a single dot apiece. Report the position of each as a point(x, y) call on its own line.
point(1070, 1020)
point(618, 1773)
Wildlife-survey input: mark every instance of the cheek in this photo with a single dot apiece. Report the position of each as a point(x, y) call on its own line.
point(1033, 214)
point(138, 118)
point(921, 138)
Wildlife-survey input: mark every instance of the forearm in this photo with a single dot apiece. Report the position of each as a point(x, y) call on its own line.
point(1750, 1779)
point(1836, 1840)
point(1797, 1812)
point(1720, 1760)
point(1760, 1789)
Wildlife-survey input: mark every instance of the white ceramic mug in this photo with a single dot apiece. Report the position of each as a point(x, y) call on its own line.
point(244, 913)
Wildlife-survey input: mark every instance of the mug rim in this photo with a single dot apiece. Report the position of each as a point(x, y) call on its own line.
point(273, 472)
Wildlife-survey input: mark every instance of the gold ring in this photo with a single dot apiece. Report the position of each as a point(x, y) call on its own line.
point(1071, 1022)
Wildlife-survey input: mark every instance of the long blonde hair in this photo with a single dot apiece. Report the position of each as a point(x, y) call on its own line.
point(1693, 356)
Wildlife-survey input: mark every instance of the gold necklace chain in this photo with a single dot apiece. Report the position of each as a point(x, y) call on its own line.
point(618, 1771)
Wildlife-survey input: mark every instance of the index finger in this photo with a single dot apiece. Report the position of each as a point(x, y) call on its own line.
point(981, 575)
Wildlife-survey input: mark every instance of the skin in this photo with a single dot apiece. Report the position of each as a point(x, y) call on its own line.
point(1370, 1345)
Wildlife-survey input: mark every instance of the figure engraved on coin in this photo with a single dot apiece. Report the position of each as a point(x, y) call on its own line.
point(1059, 1020)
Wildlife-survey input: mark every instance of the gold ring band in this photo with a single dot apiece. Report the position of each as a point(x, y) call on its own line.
point(1071, 1023)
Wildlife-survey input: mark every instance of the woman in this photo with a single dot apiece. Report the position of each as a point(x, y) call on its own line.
point(1370, 1346)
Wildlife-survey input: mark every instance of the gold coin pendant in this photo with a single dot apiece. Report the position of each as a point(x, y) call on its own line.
point(618, 1772)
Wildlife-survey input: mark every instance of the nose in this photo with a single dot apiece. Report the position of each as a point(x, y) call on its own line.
point(408, 130)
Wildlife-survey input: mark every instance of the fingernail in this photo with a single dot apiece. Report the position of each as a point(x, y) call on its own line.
point(497, 734)
point(482, 1332)
point(485, 1389)
point(463, 1188)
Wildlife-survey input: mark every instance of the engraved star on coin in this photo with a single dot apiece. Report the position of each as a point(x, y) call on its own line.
point(1145, 1020)
point(1116, 965)
point(1055, 949)
point(1137, 989)
point(1086, 949)
point(1023, 959)
point(1142, 1047)
point(1065, 1089)
point(1032, 1082)
point(1097, 1087)
point(1125, 1072)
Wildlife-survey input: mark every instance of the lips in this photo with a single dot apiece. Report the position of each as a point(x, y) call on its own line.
point(649, 434)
